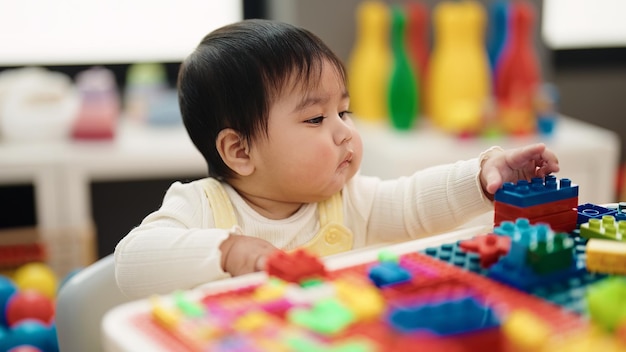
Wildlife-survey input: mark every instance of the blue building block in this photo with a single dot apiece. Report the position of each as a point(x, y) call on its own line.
point(444, 318)
point(591, 211)
point(388, 273)
point(538, 191)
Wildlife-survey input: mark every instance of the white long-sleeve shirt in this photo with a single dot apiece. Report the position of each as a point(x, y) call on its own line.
point(177, 246)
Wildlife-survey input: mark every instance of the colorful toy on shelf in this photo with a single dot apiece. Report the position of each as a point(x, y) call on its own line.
point(543, 200)
point(497, 31)
point(517, 74)
point(370, 62)
point(403, 82)
point(459, 78)
point(100, 105)
point(418, 45)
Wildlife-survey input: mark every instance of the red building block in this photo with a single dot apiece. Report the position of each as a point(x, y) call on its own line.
point(559, 222)
point(537, 210)
point(490, 247)
point(295, 267)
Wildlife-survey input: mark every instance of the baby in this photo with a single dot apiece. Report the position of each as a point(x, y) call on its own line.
point(267, 106)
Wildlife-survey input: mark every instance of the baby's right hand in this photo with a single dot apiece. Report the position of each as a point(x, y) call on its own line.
point(243, 254)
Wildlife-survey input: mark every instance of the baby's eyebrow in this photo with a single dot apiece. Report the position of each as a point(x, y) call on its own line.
point(310, 100)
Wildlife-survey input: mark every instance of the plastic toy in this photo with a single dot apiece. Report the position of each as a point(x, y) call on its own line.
point(540, 201)
point(27, 310)
point(490, 247)
point(403, 82)
point(295, 266)
point(589, 211)
point(606, 256)
point(606, 302)
point(537, 191)
point(38, 277)
point(31, 305)
point(606, 228)
point(369, 65)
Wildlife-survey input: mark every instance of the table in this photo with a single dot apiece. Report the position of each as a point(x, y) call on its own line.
point(121, 335)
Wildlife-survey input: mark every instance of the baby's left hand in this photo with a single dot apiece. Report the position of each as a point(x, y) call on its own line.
point(512, 165)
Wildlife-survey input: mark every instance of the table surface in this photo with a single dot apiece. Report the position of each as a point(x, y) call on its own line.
point(558, 300)
point(120, 334)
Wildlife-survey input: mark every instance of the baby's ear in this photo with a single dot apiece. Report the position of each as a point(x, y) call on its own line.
point(233, 149)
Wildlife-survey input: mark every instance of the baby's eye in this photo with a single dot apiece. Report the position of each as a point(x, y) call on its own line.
point(344, 114)
point(316, 120)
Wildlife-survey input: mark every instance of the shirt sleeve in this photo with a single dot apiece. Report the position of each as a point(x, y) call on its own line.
point(430, 201)
point(173, 248)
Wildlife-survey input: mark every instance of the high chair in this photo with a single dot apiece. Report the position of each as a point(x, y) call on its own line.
point(82, 302)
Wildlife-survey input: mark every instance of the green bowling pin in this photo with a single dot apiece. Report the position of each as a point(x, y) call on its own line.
point(403, 91)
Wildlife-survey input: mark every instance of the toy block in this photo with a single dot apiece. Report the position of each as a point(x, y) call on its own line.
point(537, 191)
point(606, 228)
point(606, 256)
point(589, 211)
point(444, 318)
point(327, 316)
point(515, 267)
point(388, 273)
point(526, 331)
point(564, 221)
point(536, 210)
point(490, 247)
point(554, 254)
point(295, 267)
point(364, 300)
point(525, 279)
point(606, 303)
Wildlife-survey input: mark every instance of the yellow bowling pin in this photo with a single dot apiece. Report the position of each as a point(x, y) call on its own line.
point(459, 74)
point(370, 62)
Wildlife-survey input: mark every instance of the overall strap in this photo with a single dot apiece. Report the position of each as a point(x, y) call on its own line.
point(223, 212)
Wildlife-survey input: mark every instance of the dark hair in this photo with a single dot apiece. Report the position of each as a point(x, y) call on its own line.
point(236, 73)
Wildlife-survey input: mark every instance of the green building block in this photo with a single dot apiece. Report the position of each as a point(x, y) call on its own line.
point(554, 254)
point(327, 316)
point(606, 303)
point(606, 228)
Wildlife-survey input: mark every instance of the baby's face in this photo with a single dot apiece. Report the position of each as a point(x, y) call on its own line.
point(313, 147)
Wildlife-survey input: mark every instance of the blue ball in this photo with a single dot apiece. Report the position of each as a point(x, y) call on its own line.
point(4, 338)
point(7, 289)
point(30, 332)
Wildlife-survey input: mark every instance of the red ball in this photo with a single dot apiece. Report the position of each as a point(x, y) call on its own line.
point(29, 304)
